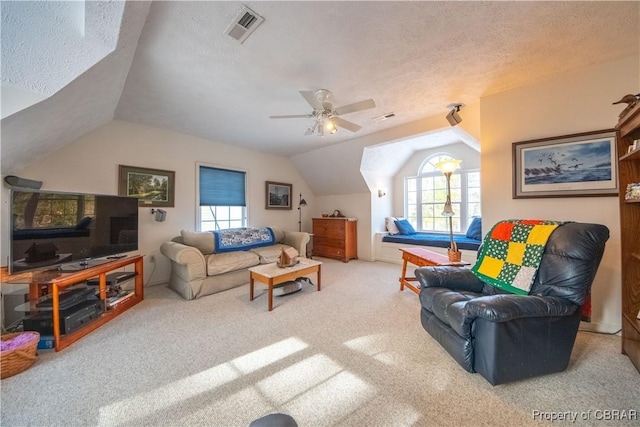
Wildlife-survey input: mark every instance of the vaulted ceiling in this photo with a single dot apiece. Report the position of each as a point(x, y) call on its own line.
point(169, 64)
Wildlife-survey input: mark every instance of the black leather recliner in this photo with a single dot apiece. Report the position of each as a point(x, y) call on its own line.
point(506, 337)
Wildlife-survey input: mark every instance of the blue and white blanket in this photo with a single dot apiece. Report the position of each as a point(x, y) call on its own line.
point(242, 239)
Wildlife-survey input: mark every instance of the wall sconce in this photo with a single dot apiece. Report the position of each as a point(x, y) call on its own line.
point(453, 117)
point(382, 192)
point(160, 214)
point(301, 203)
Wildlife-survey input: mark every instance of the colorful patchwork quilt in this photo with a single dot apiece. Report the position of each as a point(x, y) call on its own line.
point(511, 254)
point(242, 239)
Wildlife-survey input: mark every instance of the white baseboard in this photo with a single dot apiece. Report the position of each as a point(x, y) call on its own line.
point(602, 328)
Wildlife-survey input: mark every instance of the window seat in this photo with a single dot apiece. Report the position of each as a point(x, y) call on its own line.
point(390, 251)
point(437, 240)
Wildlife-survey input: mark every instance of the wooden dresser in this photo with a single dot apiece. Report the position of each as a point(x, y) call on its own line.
point(335, 238)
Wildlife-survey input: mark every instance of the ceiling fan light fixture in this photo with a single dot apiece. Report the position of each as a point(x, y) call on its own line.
point(330, 126)
point(326, 117)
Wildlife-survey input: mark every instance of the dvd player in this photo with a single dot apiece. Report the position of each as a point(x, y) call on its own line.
point(69, 298)
point(113, 278)
point(71, 319)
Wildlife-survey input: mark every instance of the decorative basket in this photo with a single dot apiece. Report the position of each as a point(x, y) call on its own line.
point(454, 256)
point(18, 352)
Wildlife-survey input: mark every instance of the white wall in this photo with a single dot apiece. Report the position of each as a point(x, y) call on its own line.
point(579, 101)
point(90, 164)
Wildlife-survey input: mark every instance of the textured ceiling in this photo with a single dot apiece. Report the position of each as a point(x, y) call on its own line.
point(412, 58)
point(169, 64)
point(46, 45)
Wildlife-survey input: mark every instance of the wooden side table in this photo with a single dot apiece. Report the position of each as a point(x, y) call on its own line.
point(422, 258)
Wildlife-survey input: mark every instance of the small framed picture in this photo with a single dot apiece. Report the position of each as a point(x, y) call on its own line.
point(278, 195)
point(152, 187)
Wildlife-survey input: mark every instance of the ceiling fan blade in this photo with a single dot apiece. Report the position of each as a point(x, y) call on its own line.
point(294, 116)
point(310, 97)
point(346, 124)
point(357, 106)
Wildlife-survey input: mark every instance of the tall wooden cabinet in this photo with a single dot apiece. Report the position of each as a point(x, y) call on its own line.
point(628, 130)
point(335, 238)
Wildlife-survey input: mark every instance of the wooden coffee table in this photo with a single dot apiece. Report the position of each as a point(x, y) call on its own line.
point(272, 275)
point(422, 258)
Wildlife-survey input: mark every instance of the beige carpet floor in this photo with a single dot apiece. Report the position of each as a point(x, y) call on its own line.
point(353, 354)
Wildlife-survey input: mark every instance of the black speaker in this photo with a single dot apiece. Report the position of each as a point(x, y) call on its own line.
point(15, 181)
point(160, 214)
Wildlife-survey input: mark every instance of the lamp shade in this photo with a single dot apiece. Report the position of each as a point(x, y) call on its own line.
point(303, 202)
point(448, 166)
point(448, 209)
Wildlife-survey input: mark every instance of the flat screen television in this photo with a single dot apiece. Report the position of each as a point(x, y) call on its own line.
point(69, 231)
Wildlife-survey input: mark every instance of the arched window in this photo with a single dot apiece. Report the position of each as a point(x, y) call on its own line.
point(426, 193)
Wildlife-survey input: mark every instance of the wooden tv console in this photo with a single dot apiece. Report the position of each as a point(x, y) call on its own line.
point(53, 282)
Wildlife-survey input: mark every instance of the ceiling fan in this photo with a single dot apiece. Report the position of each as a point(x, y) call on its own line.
point(325, 115)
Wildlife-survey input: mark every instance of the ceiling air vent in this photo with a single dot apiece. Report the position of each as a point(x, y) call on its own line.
point(244, 24)
point(383, 117)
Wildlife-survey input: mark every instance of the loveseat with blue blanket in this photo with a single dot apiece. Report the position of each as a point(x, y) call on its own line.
point(203, 263)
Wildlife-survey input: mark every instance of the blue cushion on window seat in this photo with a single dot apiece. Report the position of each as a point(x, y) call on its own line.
point(434, 239)
point(405, 227)
point(475, 229)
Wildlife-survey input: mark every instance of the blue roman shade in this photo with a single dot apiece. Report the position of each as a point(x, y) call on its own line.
point(221, 187)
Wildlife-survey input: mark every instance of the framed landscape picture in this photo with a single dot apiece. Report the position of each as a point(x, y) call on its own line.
point(582, 164)
point(152, 187)
point(278, 195)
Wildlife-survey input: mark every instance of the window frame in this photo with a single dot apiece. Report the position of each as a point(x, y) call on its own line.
point(245, 209)
point(461, 208)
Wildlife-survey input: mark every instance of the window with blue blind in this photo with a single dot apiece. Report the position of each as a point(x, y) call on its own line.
point(222, 198)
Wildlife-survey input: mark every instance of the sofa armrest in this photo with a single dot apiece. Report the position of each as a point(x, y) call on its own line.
point(190, 258)
point(502, 308)
point(297, 240)
point(454, 278)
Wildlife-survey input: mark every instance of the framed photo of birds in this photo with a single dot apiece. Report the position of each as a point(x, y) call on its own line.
point(576, 165)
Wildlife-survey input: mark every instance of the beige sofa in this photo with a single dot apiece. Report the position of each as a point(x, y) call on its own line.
point(197, 271)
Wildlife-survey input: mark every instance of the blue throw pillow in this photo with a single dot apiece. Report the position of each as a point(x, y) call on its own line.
point(405, 227)
point(475, 229)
